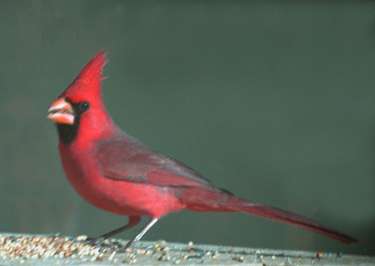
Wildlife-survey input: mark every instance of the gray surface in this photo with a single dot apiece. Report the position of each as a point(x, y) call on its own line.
point(272, 100)
point(33, 250)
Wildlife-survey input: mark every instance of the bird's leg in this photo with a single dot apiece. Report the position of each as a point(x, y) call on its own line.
point(142, 233)
point(133, 221)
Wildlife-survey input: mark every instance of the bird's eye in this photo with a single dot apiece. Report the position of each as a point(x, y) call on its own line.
point(83, 106)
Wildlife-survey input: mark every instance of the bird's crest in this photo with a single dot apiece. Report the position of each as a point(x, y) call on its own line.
point(88, 81)
point(92, 72)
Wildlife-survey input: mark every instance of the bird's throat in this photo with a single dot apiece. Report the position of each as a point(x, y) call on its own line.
point(68, 133)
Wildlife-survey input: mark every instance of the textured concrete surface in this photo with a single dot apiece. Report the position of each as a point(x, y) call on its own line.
point(16, 249)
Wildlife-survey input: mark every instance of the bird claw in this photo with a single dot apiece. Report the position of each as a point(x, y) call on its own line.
point(94, 240)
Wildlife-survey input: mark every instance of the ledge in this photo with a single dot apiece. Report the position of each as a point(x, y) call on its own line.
point(36, 250)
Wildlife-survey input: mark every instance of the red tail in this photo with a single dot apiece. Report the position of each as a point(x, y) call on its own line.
point(288, 217)
point(225, 202)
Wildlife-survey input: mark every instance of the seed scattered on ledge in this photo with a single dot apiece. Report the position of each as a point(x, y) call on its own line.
point(25, 248)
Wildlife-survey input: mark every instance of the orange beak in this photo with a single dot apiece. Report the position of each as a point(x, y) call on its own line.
point(61, 112)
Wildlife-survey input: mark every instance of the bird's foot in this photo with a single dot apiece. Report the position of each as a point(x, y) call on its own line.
point(128, 244)
point(104, 242)
point(95, 240)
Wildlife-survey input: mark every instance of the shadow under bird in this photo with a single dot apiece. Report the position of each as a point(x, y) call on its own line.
point(117, 173)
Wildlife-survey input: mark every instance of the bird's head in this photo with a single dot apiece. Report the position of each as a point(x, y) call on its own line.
point(81, 105)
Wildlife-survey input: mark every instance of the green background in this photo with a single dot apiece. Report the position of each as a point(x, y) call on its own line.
point(273, 100)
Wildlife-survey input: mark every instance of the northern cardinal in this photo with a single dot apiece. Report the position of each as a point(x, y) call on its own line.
point(119, 174)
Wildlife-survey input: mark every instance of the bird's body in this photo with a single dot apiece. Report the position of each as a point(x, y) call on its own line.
point(123, 176)
point(119, 174)
point(124, 197)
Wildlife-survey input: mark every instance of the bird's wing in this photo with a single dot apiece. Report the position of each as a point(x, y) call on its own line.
point(128, 160)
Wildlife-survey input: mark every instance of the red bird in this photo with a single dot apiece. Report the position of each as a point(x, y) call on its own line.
point(119, 174)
